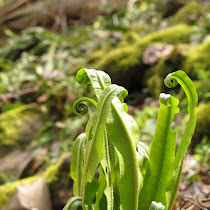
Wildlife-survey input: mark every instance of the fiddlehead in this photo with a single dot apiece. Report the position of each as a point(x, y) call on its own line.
point(82, 108)
point(170, 82)
point(181, 77)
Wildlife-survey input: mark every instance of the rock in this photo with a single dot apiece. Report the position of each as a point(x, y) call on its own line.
point(153, 53)
point(33, 195)
point(56, 176)
point(23, 163)
point(32, 164)
point(11, 163)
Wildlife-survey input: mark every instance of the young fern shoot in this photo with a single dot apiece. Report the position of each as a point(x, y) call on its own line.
point(111, 145)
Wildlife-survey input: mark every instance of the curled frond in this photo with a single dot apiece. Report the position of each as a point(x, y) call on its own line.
point(181, 77)
point(169, 81)
point(81, 108)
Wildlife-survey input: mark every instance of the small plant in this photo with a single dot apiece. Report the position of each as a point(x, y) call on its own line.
point(130, 177)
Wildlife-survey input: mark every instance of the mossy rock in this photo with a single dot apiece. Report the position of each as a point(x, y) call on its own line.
point(170, 63)
point(154, 84)
point(127, 61)
point(51, 175)
point(187, 12)
point(202, 124)
point(192, 61)
point(198, 59)
point(120, 57)
point(203, 89)
point(19, 126)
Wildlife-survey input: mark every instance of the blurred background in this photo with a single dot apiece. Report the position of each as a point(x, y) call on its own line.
point(43, 43)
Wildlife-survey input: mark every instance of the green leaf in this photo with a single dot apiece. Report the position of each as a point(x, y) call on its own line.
point(123, 133)
point(91, 189)
point(106, 165)
point(102, 187)
point(173, 185)
point(175, 172)
point(95, 149)
point(77, 158)
point(161, 154)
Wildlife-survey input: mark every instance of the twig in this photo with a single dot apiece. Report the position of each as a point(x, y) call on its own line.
point(9, 96)
point(191, 203)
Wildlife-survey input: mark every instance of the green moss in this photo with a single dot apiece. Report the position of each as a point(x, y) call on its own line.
point(202, 124)
point(19, 126)
point(122, 58)
point(183, 14)
point(128, 59)
point(113, 60)
point(16, 119)
point(198, 59)
point(167, 64)
point(155, 85)
point(172, 35)
point(50, 175)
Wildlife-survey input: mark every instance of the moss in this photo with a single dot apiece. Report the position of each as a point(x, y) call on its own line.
point(198, 59)
point(202, 124)
point(176, 34)
point(50, 175)
point(15, 118)
point(155, 85)
point(186, 12)
point(203, 89)
point(170, 63)
point(172, 35)
point(19, 126)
